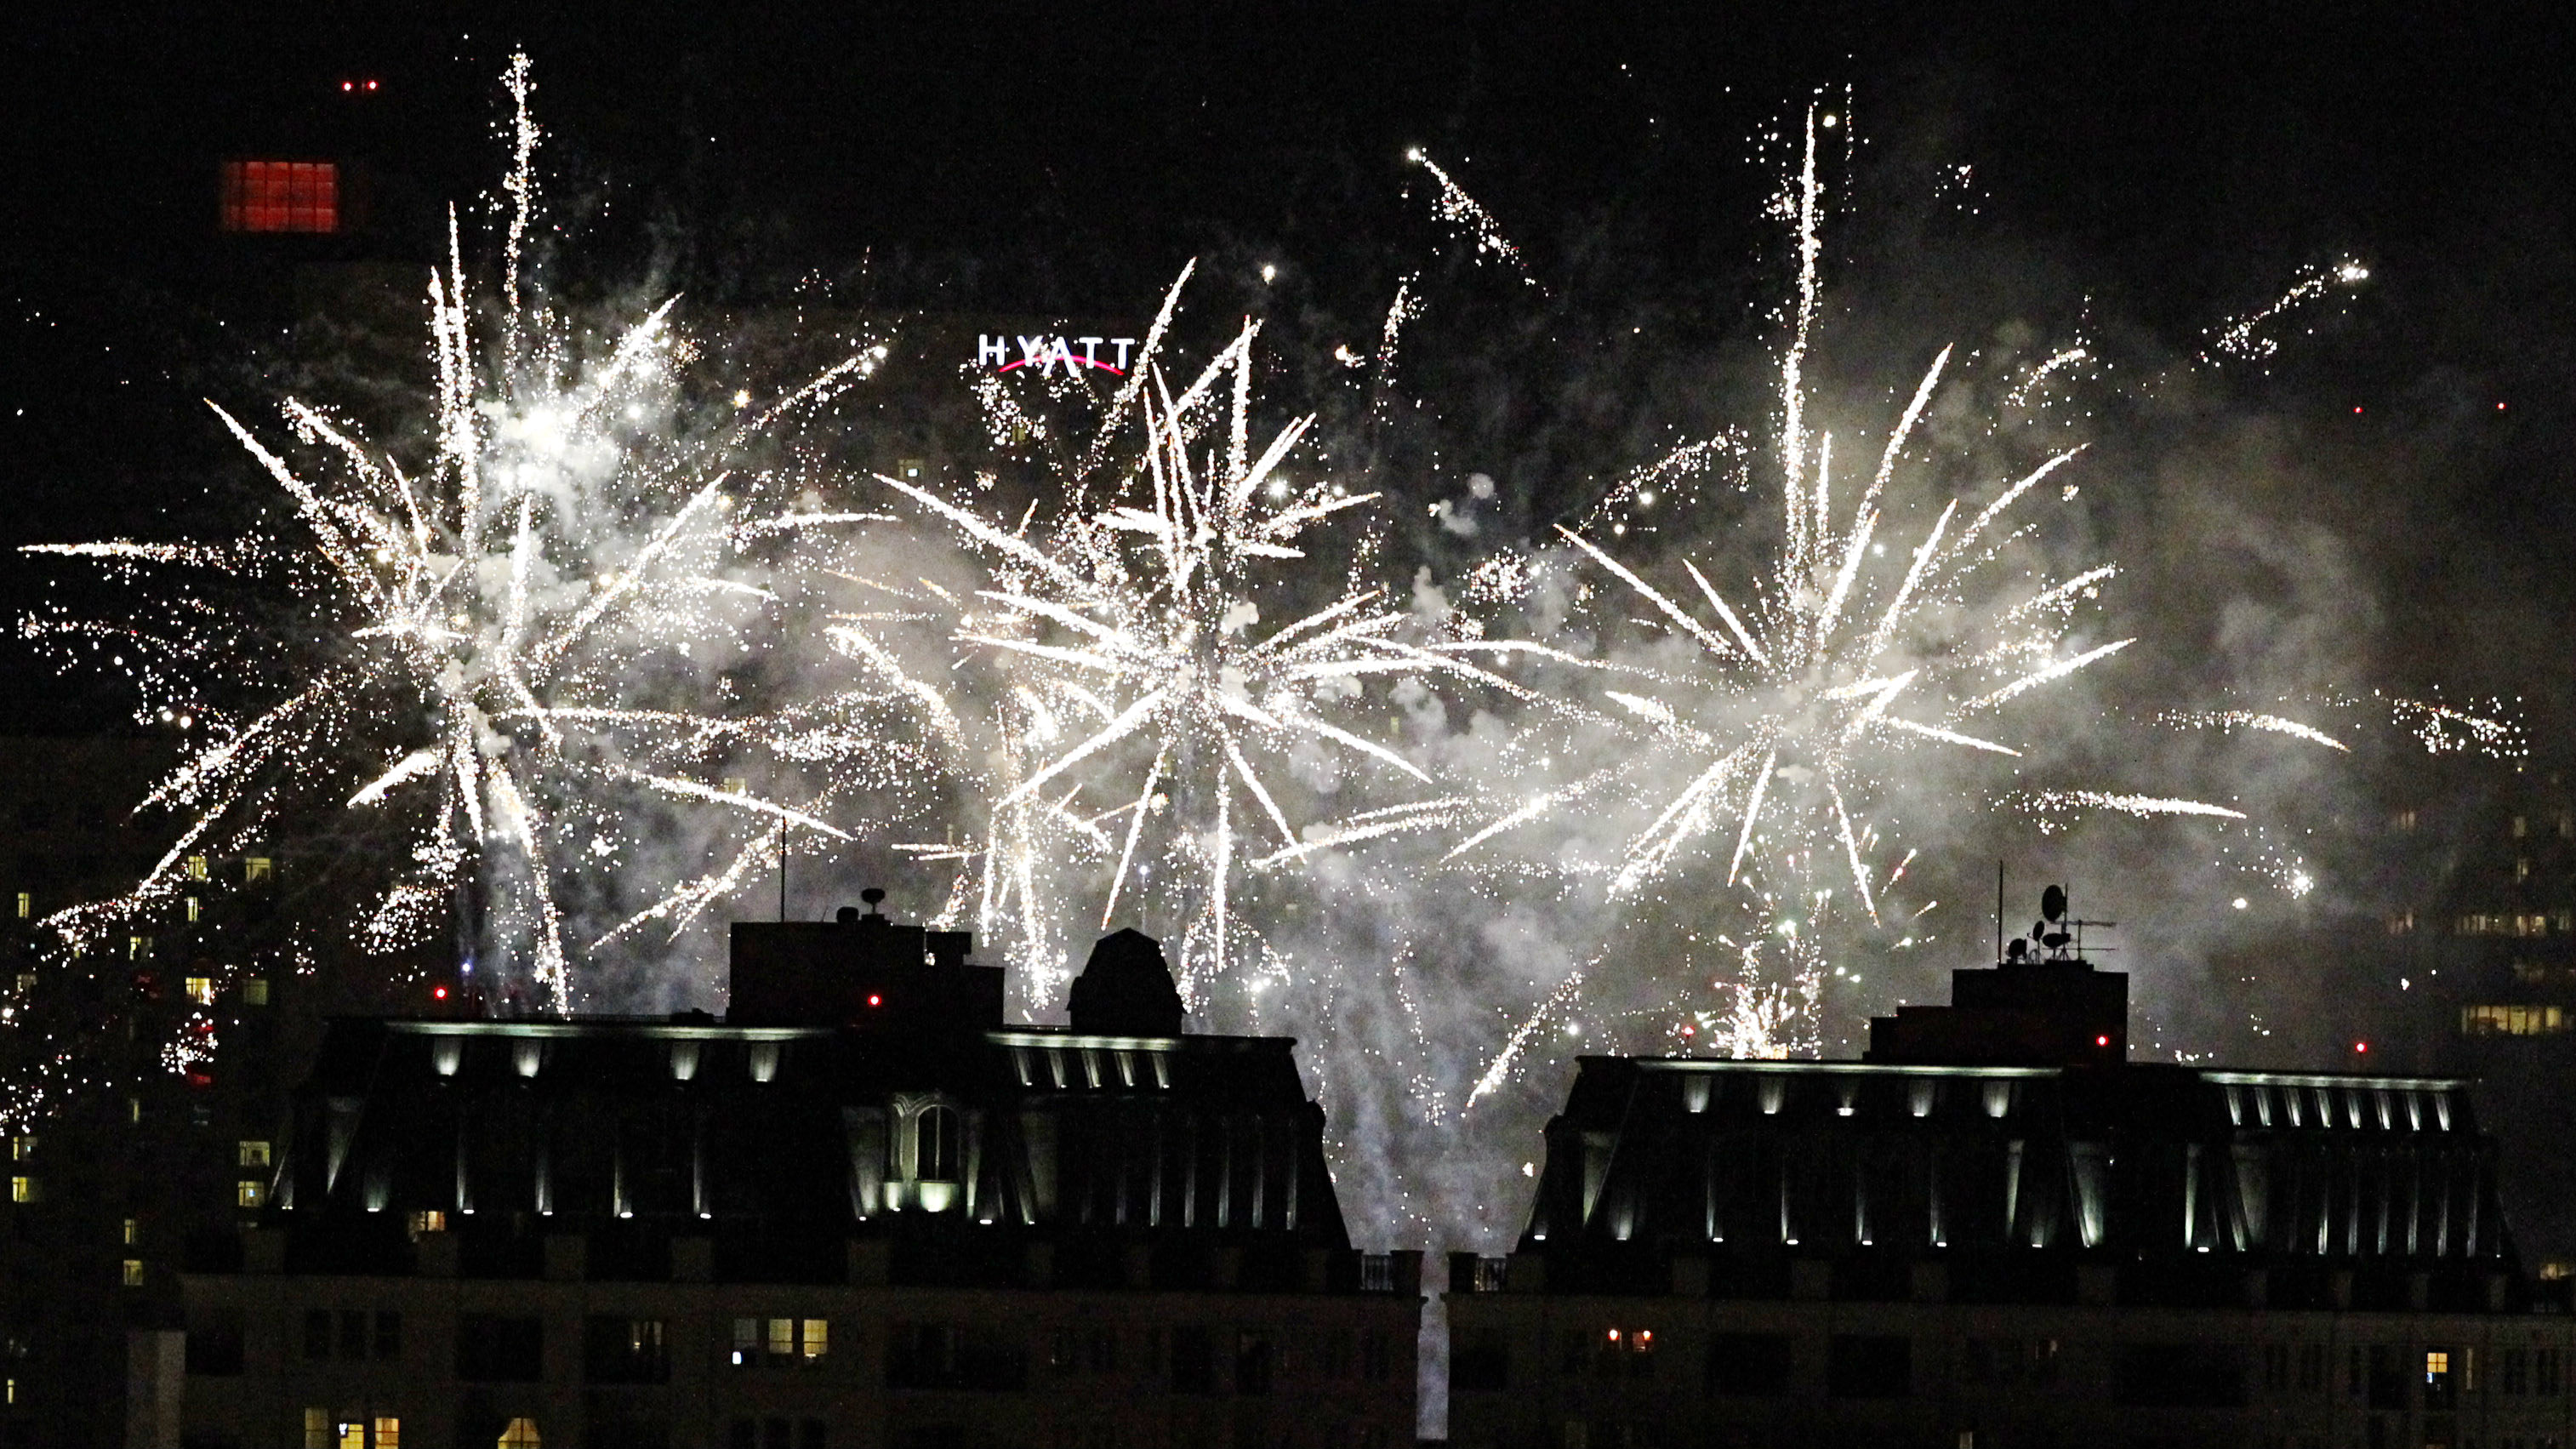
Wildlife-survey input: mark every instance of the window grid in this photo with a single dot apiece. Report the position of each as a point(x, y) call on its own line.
point(281, 196)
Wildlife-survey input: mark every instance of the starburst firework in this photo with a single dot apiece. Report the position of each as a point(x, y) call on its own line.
point(1772, 736)
point(1153, 716)
point(501, 651)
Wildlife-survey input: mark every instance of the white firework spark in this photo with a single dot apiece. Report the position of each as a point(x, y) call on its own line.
point(2234, 719)
point(2245, 340)
point(1470, 218)
point(2489, 729)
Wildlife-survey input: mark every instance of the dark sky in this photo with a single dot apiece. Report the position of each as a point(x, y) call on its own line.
point(2181, 161)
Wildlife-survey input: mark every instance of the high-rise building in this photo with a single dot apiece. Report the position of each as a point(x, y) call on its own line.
point(2483, 955)
point(146, 1072)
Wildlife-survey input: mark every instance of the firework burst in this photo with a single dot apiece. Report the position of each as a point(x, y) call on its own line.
point(1771, 737)
point(1156, 715)
point(501, 648)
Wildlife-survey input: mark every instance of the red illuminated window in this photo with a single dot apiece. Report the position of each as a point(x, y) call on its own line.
point(281, 196)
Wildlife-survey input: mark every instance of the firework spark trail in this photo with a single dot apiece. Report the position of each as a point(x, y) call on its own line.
point(2054, 801)
point(485, 615)
point(2230, 719)
point(1470, 218)
point(1792, 719)
point(2244, 339)
point(2443, 729)
point(1638, 486)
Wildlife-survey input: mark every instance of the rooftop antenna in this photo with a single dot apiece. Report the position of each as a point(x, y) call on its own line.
point(782, 867)
point(1999, 911)
point(2058, 928)
point(2052, 912)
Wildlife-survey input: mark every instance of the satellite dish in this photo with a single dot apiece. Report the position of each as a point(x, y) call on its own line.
point(2055, 940)
point(2052, 903)
point(2017, 950)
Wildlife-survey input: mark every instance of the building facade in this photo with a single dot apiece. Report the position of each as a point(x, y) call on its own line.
point(1997, 1232)
point(861, 1211)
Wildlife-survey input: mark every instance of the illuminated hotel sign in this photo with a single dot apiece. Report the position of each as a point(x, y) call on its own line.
point(1046, 354)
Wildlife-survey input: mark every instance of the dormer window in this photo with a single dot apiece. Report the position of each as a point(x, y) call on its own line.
point(936, 1148)
point(925, 1155)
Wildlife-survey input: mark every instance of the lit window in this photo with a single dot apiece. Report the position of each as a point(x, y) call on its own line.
point(254, 991)
point(196, 867)
point(134, 1109)
point(815, 1338)
point(522, 1434)
point(26, 904)
point(21, 1148)
point(428, 1220)
point(23, 1189)
point(201, 990)
point(256, 869)
point(353, 1434)
point(137, 947)
point(2402, 923)
point(195, 909)
point(2521, 826)
point(134, 1272)
point(388, 1433)
point(133, 1232)
point(281, 196)
point(317, 1428)
point(2502, 924)
point(2567, 824)
point(250, 1194)
point(782, 1338)
point(26, 982)
point(2403, 820)
point(2522, 869)
point(910, 469)
point(251, 1152)
point(2437, 1362)
point(2512, 1020)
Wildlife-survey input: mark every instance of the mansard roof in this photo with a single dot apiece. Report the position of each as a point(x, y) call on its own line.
point(708, 1126)
point(2133, 1162)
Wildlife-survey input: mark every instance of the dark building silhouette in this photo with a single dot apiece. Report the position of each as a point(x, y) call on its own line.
point(861, 1210)
point(1126, 989)
point(1996, 1231)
